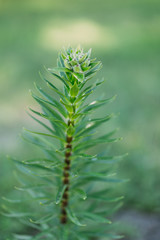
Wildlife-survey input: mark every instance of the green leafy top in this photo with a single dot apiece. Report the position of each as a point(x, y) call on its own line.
point(77, 65)
point(76, 60)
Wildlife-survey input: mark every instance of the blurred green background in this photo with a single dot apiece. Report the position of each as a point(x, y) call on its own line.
point(125, 36)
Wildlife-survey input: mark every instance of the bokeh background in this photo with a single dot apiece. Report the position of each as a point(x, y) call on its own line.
point(125, 36)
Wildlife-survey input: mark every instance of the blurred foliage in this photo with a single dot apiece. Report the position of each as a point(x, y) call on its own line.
point(125, 37)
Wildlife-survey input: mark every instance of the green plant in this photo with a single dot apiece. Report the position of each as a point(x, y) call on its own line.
point(64, 180)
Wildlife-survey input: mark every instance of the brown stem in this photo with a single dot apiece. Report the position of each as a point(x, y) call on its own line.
point(66, 175)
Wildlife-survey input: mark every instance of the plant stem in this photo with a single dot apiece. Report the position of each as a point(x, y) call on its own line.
point(66, 175)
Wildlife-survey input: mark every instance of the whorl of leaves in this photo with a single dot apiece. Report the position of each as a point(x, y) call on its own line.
point(63, 181)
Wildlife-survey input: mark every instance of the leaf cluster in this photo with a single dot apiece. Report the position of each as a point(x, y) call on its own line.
point(69, 129)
